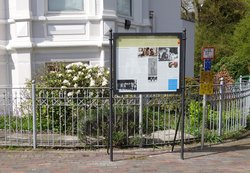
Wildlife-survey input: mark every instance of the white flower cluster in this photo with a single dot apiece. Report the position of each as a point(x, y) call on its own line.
point(77, 64)
point(83, 75)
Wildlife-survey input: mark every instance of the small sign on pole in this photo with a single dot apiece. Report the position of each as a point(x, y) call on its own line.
point(208, 53)
point(206, 83)
point(207, 64)
point(206, 76)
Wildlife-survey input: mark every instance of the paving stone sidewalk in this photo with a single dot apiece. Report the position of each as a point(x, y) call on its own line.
point(229, 157)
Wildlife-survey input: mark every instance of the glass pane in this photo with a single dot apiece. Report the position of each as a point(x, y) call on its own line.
point(124, 7)
point(65, 5)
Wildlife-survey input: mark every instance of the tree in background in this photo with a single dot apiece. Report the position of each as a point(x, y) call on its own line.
point(215, 26)
point(239, 62)
point(190, 9)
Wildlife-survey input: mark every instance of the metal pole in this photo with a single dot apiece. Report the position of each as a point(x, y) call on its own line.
point(176, 131)
point(220, 107)
point(34, 113)
point(111, 96)
point(240, 82)
point(203, 119)
point(183, 94)
point(140, 119)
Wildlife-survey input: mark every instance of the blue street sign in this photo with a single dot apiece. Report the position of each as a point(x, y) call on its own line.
point(207, 64)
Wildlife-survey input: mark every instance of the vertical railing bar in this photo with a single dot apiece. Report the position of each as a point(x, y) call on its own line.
point(48, 107)
point(97, 116)
point(115, 113)
point(164, 120)
point(33, 98)
point(158, 122)
point(40, 116)
point(147, 123)
point(60, 120)
point(153, 123)
point(122, 115)
point(8, 116)
point(85, 115)
point(134, 124)
point(77, 117)
point(5, 117)
point(52, 117)
point(237, 113)
point(102, 110)
point(127, 122)
point(72, 117)
point(65, 117)
point(29, 130)
point(90, 113)
point(169, 124)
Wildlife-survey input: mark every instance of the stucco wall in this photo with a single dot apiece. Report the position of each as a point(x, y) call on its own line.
point(36, 36)
point(190, 33)
point(167, 15)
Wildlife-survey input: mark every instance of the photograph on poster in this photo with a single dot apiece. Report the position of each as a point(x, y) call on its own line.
point(173, 64)
point(168, 53)
point(127, 84)
point(152, 69)
point(147, 52)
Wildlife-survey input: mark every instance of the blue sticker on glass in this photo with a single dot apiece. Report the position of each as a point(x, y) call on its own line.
point(172, 84)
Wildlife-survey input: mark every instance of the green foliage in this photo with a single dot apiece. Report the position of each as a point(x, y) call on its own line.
point(240, 45)
point(222, 14)
point(218, 21)
point(211, 137)
point(195, 117)
point(235, 134)
point(119, 138)
point(16, 123)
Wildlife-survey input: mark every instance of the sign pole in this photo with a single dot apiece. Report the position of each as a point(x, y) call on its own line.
point(111, 96)
point(203, 119)
point(206, 85)
point(183, 94)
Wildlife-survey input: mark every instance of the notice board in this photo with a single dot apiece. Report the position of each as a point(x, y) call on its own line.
point(147, 63)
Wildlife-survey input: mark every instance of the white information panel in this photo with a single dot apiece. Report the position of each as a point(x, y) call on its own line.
point(147, 63)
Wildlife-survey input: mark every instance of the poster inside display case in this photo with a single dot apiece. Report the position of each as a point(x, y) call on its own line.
point(147, 63)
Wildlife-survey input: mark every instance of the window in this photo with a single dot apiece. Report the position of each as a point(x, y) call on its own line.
point(65, 5)
point(57, 66)
point(53, 67)
point(124, 7)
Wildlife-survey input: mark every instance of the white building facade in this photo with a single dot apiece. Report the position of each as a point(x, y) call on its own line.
point(37, 33)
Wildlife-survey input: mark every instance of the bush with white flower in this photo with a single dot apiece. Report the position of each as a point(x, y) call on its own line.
point(76, 75)
point(72, 80)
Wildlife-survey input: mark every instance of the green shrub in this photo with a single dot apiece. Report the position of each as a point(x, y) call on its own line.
point(212, 137)
point(16, 123)
point(248, 122)
point(57, 91)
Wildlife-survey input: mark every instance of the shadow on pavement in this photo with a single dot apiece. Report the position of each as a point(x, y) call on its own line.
point(190, 152)
point(238, 145)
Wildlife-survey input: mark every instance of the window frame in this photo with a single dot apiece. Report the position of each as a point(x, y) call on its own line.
point(66, 11)
point(123, 15)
